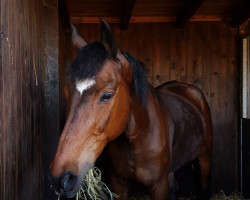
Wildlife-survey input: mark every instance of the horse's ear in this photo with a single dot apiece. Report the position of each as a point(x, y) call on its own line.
point(77, 39)
point(108, 39)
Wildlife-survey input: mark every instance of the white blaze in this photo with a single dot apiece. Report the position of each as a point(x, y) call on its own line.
point(84, 85)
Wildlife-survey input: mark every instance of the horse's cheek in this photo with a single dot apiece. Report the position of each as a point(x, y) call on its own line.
point(120, 114)
point(123, 108)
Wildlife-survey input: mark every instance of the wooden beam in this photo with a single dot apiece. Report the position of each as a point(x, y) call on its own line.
point(94, 20)
point(64, 15)
point(127, 13)
point(187, 12)
point(241, 15)
point(154, 19)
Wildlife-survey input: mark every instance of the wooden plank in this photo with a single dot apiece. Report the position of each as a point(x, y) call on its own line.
point(156, 53)
point(161, 75)
point(64, 15)
point(196, 39)
point(4, 7)
point(182, 45)
point(241, 15)
point(93, 32)
point(245, 123)
point(122, 41)
point(190, 54)
point(65, 57)
point(1, 119)
point(52, 128)
point(21, 94)
point(126, 13)
point(173, 68)
point(206, 60)
point(187, 12)
point(165, 51)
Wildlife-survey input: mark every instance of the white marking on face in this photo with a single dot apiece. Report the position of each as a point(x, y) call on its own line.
point(84, 85)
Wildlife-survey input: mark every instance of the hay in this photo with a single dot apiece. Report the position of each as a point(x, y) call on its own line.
point(221, 196)
point(93, 188)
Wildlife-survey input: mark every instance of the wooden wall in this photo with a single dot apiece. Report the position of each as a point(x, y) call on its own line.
point(204, 54)
point(22, 75)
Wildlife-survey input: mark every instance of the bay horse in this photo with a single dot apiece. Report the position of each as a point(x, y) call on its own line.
point(149, 132)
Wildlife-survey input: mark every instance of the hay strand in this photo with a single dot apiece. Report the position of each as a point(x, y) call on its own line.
point(93, 188)
point(221, 196)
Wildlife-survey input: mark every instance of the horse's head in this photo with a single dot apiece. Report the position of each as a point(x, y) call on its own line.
point(99, 97)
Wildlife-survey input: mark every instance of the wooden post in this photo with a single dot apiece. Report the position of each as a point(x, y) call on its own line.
point(127, 13)
point(52, 128)
point(241, 15)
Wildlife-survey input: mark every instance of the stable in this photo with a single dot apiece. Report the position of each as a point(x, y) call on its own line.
point(200, 42)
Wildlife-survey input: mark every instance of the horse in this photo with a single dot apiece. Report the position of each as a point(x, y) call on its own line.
point(149, 132)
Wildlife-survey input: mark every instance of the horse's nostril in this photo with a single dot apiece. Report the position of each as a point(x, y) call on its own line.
point(68, 181)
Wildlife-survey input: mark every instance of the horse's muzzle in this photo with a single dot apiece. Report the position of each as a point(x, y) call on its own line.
point(66, 185)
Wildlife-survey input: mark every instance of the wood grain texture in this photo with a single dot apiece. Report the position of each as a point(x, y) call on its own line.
point(52, 115)
point(203, 54)
point(91, 11)
point(22, 76)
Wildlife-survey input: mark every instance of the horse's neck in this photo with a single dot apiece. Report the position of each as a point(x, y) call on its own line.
point(147, 125)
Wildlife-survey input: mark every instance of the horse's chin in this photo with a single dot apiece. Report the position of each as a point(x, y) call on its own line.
point(68, 194)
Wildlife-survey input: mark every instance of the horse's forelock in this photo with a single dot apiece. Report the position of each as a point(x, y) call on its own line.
point(88, 62)
point(90, 59)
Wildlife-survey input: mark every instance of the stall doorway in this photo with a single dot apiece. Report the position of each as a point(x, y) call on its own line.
point(245, 119)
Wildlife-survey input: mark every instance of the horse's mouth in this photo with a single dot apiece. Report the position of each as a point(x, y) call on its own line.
point(72, 192)
point(71, 183)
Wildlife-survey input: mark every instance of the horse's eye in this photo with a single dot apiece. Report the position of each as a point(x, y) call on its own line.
point(106, 97)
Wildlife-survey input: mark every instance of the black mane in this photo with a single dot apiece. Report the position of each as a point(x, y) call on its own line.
point(89, 62)
point(140, 79)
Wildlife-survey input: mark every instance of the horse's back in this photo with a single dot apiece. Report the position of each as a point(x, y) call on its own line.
point(185, 108)
point(189, 92)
